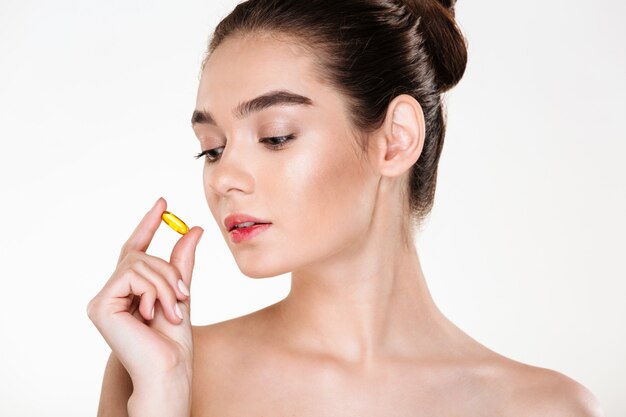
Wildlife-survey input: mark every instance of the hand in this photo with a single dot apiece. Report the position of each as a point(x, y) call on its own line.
point(149, 348)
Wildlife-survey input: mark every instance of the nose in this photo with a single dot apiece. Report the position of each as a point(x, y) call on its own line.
point(230, 173)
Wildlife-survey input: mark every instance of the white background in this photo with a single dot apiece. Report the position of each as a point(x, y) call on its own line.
point(524, 249)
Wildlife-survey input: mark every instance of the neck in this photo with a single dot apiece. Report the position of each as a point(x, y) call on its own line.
point(364, 303)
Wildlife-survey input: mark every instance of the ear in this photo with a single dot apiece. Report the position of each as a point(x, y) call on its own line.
point(401, 137)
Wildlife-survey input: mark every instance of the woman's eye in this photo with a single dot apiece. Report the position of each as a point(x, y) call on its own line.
point(281, 140)
point(274, 143)
point(208, 154)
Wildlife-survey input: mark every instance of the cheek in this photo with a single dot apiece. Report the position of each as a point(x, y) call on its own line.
point(323, 196)
point(319, 199)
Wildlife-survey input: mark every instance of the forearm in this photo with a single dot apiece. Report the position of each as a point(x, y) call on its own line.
point(171, 398)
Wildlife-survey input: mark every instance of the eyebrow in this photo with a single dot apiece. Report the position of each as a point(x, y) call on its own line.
point(271, 98)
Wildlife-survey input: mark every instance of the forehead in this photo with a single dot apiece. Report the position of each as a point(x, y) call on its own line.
point(243, 67)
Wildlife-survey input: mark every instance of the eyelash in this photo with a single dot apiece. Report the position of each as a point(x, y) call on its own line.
point(210, 159)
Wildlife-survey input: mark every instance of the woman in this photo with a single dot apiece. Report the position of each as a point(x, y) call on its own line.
point(321, 122)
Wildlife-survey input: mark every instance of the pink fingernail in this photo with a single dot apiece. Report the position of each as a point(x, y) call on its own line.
point(182, 287)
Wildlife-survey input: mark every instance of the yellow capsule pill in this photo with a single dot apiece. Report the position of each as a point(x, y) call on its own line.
point(174, 222)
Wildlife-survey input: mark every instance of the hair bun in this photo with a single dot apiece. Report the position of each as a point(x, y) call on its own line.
point(448, 4)
point(443, 39)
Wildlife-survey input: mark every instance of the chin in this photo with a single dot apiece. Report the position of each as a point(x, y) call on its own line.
point(258, 268)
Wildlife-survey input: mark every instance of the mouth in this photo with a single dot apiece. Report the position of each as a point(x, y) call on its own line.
point(244, 225)
point(240, 234)
point(242, 221)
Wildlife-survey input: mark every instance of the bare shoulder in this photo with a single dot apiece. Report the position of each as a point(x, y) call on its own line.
point(221, 347)
point(545, 392)
point(222, 356)
point(239, 329)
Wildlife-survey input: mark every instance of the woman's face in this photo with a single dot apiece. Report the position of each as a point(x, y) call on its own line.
point(317, 191)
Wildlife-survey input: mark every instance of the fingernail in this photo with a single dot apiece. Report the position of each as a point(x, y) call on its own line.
point(157, 202)
point(178, 312)
point(183, 287)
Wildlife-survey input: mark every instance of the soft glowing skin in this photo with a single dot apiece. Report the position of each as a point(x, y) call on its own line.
point(359, 317)
point(314, 191)
point(337, 214)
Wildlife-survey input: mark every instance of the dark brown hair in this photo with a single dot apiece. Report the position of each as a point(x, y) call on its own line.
point(372, 51)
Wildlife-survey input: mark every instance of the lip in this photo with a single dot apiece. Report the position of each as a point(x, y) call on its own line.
point(233, 219)
point(246, 233)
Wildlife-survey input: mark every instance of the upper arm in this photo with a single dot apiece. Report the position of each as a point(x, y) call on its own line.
point(117, 388)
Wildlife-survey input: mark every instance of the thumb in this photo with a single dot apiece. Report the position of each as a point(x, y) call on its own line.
point(184, 253)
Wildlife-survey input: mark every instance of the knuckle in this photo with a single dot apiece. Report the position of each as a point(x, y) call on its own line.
point(126, 256)
point(136, 266)
point(140, 263)
point(135, 282)
point(124, 250)
point(132, 254)
point(152, 289)
point(127, 273)
point(166, 292)
point(91, 308)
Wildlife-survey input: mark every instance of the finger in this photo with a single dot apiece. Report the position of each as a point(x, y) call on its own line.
point(144, 232)
point(130, 283)
point(147, 302)
point(136, 312)
point(184, 254)
point(171, 274)
point(164, 293)
point(179, 332)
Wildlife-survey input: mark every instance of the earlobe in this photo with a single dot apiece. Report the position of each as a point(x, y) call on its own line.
point(404, 135)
